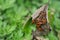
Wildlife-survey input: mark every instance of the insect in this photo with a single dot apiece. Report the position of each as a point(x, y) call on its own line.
point(40, 18)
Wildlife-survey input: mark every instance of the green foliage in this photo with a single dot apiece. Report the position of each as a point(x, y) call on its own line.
point(51, 36)
point(15, 18)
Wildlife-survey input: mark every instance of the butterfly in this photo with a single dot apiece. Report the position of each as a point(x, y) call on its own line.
point(40, 18)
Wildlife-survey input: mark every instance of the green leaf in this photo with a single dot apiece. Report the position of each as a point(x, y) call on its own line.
point(51, 36)
point(7, 4)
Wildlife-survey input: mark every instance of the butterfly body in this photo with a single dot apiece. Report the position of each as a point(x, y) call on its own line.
point(40, 20)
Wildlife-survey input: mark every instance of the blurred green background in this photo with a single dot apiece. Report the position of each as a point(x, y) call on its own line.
point(15, 18)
